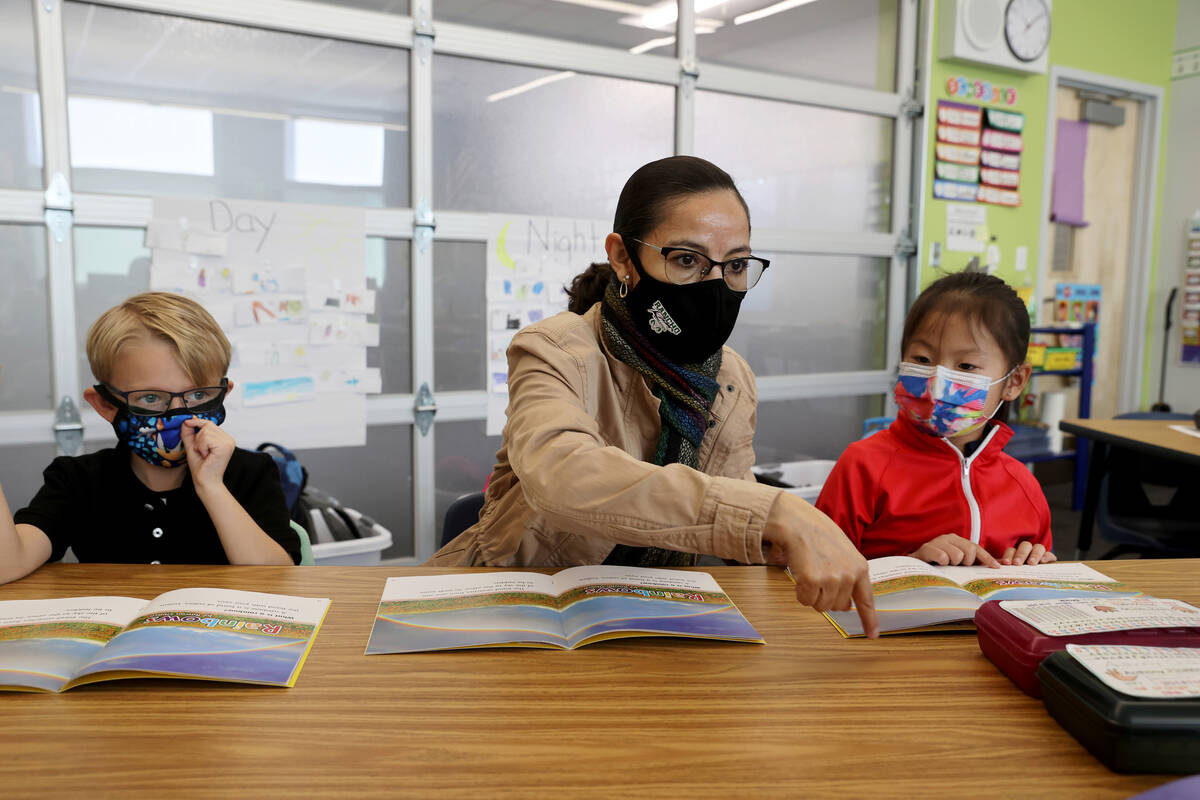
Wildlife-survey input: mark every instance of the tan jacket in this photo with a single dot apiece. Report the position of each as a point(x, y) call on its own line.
point(573, 477)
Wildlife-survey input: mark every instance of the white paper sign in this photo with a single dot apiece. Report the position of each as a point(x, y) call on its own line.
point(966, 226)
point(1073, 616)
point(529, 263)
point(286, 282)
point(1153, 672)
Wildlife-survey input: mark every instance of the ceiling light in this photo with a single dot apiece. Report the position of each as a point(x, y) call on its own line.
point(525, 87)
point(770, 10)
point(664, 14)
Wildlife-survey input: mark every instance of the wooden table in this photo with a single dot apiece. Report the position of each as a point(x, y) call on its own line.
point(808, 715)
point(1151, 437)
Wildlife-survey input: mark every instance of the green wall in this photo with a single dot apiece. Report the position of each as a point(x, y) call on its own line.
point(1128, 39)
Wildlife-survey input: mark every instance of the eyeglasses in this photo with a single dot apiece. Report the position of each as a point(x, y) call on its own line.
point(688, 266)
point(153, 402)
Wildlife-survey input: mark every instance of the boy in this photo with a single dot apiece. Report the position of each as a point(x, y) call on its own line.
point(175, 489)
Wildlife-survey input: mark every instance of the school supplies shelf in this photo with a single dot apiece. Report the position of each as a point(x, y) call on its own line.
point(911, 595)
point(572, 608)
point(206, 634)
point(1045, 362)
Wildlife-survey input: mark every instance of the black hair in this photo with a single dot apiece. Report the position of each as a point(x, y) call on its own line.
point(984, 300)
point(645, 200)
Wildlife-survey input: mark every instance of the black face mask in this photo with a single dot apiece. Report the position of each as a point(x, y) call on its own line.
point(687, 323)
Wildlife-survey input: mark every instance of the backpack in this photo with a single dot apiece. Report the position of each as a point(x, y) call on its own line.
point(319, 513)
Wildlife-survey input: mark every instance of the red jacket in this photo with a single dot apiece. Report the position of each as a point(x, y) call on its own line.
point(896, 490)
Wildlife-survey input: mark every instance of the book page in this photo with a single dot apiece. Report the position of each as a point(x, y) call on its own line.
point(43, 642)
point(1151, 672)
point(443, 612)
point(1070, 616)
point(601, 602)
point(899, 573)
point(216, 634)
point(649, 577)
point(1026, 582)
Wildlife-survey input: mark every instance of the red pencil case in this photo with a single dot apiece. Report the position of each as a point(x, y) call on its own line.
point(1017, 648)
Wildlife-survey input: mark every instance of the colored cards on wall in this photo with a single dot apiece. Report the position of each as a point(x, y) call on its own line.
point(978, 154)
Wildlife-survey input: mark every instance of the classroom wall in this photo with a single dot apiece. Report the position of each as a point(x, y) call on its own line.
point(1181, 198)
point(1122, 39)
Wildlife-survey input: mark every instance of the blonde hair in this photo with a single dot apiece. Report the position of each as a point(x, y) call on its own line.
point(197, 339)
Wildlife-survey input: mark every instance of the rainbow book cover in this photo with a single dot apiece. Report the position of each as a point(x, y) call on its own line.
point(206, 634)
point(572, 608)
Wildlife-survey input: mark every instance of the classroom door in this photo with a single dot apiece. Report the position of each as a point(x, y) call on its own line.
point(1100, 252)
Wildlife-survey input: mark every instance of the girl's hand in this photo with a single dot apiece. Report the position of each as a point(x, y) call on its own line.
point(950, 549)
point(208, 451)
point(1027, 553)
point(829, 572)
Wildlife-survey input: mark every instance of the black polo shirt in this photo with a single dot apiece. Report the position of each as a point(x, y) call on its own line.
point(96, 505)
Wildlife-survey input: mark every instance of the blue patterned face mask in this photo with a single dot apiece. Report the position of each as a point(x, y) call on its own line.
point(155, 433)
point(159, 439)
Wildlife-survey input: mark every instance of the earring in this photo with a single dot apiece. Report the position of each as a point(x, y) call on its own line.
point(624, 286)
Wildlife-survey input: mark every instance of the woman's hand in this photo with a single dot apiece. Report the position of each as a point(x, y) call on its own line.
point(950, 549)
point(208, 451)
point(1027, 553)
point(828, 571)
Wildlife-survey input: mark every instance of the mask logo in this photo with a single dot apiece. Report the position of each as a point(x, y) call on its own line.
point(660, 320)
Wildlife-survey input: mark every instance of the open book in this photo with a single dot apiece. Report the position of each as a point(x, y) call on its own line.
point(209, 634)
point(912, 595)
point(569, 609)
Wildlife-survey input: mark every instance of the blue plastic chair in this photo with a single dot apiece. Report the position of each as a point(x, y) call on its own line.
point(1148, 506)
point(873, 425)
point(461, 514)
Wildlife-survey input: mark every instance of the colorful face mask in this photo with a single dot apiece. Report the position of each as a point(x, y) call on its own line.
point(944, 402)
point(159, 439)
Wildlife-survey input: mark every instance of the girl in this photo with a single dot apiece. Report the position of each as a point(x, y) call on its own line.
point(630, 428)
point(936, 484)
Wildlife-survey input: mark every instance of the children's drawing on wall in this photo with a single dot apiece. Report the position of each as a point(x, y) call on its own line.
point(530, 260)
point(287, 282)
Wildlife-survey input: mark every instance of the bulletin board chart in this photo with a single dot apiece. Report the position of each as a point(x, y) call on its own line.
point(530, 262)
point(1189, 346)
point(977, 155)
point(287, 284)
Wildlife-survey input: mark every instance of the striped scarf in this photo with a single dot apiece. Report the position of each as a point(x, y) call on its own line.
point(686, 392)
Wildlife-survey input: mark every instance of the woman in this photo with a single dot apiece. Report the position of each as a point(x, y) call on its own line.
point(630, 427)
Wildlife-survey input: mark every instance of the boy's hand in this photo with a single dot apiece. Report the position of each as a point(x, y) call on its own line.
point(1027, 553)
point(208, 451)
point(950, 549)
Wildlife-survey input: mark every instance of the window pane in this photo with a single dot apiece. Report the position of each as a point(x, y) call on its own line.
point(548, 149)
point(815, 313)
point(465, 457)
point(253, 113)
point(820, 427)
point(20, 114)
point(460, 327)
point(848, 41)
point(613, 26)
point(25, 382)
point(388, 269)
point(112, 264)
point(375, 480)
point(21, 471)
point(803, 168)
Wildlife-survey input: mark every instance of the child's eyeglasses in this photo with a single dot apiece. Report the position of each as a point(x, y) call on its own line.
point(153, 402)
